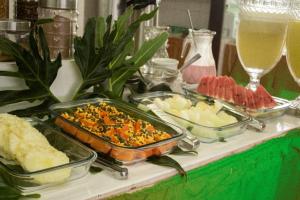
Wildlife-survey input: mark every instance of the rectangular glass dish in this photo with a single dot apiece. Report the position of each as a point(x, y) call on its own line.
point(122, 154)
point(81, 158)
point(204, 133)
point(261, 114)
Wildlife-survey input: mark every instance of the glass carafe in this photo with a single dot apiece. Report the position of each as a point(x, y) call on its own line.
point(153, 31)
point(201, 42)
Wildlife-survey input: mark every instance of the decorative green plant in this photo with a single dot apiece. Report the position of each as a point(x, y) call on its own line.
point(100, 55)
point(105, 64)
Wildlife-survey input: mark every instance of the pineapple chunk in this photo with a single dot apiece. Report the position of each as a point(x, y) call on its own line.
point(202, 114)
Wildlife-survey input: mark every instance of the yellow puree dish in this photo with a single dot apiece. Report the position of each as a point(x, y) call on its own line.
point(24, 144)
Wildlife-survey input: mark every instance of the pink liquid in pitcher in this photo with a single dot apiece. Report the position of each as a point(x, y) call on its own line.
point(193, 73)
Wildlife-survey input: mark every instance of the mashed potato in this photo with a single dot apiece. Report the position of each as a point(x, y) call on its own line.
point(21, 142)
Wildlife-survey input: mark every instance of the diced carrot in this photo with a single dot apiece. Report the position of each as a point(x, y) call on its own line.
point(107, 120)
point(137, 126)
point(123, 132)
point(88, 123)
point(150, 128)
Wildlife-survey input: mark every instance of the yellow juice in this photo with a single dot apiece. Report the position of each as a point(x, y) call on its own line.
point(260, 43)
point(293, 48)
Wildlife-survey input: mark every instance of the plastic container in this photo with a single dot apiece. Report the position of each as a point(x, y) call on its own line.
point(125, 155)
point(4, 9)
point(27, 10)
point(204, 133)
point(80, 157)
point(61, 32)
point(151, 32)
point(161, 70)
point(16, 31)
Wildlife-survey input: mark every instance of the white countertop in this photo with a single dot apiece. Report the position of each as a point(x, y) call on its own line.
point(143, 174)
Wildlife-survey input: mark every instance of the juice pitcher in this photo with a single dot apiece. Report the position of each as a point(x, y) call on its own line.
point(201, 41)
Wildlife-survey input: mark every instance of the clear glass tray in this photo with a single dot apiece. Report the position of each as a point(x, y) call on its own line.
point(125, 155)
point(204, 133)
point(261, 114)
point(80, 157)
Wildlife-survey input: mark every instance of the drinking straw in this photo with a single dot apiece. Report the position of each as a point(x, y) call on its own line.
point(192, 26)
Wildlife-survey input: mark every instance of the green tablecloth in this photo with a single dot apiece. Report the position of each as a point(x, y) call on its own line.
point(266, 172)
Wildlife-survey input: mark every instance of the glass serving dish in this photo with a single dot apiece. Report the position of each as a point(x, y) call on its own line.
point(122, 154)
point(204, 133)
point(80, 157)
point(260, 114)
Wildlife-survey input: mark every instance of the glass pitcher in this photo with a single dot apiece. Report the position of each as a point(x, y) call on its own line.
point(201, 42)
point(153, 31)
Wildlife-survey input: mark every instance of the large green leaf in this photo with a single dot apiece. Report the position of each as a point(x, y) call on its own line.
point(38, 111)
point(34, 66)
point(101, 53)
point(121, 75)
point(167, 161)
point(91, 61)
point(9, 193)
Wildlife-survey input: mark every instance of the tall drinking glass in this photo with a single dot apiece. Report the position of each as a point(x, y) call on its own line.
point(261, 36)
point(293, 44)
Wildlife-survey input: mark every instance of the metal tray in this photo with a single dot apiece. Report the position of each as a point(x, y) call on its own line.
point(80, 157)
point(125, 155)
point(204, 133)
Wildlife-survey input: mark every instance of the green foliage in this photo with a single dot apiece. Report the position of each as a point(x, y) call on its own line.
point(100, 56)
point(9, 193)
point(167, 161)
point(101, 53)
point(34, 67)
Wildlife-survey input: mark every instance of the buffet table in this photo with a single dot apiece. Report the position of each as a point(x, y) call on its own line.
point(251, 165)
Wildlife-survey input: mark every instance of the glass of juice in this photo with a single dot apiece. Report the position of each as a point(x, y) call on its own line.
point(293, 44)
point(261, 36)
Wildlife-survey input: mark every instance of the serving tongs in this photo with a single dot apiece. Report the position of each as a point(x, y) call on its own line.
point(253, 123)
point(295, 106)
point(110, 165)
